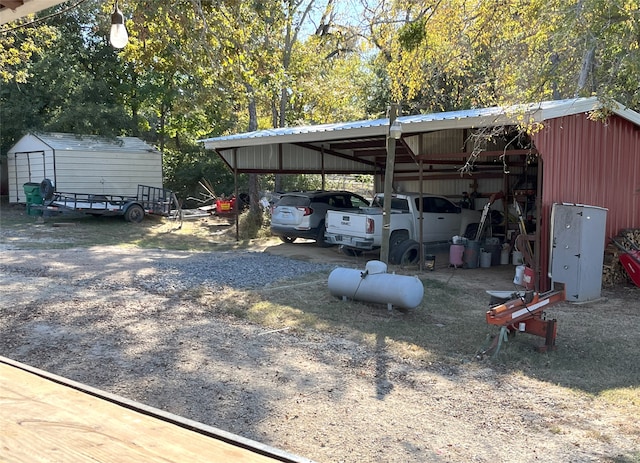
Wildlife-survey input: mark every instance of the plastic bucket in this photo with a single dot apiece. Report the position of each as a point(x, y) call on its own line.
point(517, 258)
point(504, 256)
point(518, 279)
point(472, 254)
point(485, 259)
point(456, 252)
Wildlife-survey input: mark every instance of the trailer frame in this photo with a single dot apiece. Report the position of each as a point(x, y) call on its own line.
point(149, 200)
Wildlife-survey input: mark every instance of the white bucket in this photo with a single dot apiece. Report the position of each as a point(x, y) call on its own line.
point(485, 259)
point(517, 258)
point(518, 279)
point(504, 256)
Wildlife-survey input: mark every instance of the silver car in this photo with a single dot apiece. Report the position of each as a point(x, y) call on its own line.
point(302, 214)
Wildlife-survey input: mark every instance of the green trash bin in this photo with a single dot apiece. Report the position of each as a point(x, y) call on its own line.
point(32, 192)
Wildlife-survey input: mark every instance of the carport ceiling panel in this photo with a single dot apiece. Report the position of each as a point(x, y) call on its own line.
point(256, 158)
point(338, 164)
point(440, 142)
point(299, 159)
point(294, 158)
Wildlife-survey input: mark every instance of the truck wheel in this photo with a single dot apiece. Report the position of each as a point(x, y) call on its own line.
point(406, 253)
point(134, 213)
point(396, 238)
point(471, 231)
point(287, 239)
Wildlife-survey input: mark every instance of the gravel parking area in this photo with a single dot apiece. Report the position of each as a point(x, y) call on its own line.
point(120, 319)
point(160, 272)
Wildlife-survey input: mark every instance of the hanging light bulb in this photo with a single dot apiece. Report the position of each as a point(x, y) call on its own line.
point(118, 37)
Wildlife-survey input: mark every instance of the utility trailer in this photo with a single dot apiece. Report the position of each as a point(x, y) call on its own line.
point(149, 200)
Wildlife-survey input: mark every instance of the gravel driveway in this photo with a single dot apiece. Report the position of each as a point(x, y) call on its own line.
point(119, 319)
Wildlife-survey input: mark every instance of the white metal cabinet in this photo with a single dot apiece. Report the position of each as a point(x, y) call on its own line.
point(577, 249)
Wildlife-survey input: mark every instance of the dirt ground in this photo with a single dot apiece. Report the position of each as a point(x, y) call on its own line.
point(313, 394)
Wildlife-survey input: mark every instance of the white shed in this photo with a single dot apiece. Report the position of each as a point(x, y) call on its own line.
point(83, 164)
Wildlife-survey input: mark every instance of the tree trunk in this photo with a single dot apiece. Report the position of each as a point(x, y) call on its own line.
point(587, 66)
point(254, 189)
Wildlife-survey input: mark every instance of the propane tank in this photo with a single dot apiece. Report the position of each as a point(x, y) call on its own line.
point(375, 285)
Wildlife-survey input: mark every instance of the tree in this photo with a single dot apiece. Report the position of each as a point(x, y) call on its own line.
point(67, 87)
point(451, 54)
point(19, 44)
point(602, 57)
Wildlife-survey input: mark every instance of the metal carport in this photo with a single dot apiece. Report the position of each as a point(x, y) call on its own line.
point(430, 150)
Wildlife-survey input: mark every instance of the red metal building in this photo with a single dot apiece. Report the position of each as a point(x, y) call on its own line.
point(589, 162)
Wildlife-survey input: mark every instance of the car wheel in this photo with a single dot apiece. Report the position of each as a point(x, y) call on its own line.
point(287, 239)
point(134, 213)
point(406, 253)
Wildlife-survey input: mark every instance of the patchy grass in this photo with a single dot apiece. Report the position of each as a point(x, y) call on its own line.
point(81, 230)
point(448, 328)
point(597, 347)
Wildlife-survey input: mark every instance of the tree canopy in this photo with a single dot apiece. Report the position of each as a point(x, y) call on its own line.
point(202, 68)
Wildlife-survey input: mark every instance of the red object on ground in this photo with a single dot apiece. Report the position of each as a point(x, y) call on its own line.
point(225, 206)
point(631, 263)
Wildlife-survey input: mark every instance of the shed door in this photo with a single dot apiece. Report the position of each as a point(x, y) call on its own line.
point(29, 167)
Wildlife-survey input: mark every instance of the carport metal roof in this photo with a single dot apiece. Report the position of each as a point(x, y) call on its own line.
point(360, 146)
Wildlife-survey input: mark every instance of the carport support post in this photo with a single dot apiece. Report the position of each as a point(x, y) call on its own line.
point(421, 214)
point(388, 186)
point(235, 192)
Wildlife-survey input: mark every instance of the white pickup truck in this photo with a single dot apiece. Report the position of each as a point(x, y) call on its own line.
point(362, 230)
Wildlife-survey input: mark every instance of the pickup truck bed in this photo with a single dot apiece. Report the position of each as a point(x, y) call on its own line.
point(362, 229)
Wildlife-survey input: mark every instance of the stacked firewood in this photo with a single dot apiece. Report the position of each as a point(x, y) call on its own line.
point(613, 272)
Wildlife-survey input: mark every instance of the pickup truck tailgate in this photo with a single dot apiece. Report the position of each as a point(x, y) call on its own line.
point(348, 223)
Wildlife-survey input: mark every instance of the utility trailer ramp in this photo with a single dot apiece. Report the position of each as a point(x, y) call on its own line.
point(44, 417)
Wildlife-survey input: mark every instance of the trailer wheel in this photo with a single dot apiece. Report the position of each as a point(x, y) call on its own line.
point(134, 213)
point(406, 253)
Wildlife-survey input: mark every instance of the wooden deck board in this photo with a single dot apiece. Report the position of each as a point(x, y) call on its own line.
point(42, 420)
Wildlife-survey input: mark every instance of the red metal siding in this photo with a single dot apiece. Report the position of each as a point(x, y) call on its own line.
point(593, 163)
